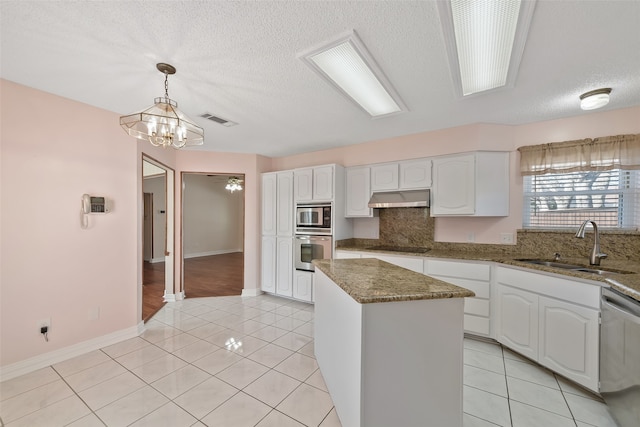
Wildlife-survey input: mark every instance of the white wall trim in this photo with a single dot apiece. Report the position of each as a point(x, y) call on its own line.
point(251, 292)
point(169, 297)
point(14, 370)
point(154, 260)
point(220, 252)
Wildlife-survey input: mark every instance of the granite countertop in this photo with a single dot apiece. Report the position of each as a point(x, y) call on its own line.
point(369, 280)
point(628, 284)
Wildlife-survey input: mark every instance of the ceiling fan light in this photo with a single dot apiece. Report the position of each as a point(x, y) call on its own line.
point(595, 99)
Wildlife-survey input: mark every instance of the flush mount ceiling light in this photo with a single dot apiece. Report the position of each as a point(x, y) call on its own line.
point(595, 99)
point(348, 66)
point(485, 41)
point(162, 124)
point(234, 184)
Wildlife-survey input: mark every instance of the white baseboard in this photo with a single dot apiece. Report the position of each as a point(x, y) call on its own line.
point(47, 359)
point(155, 260)
point(251, 292)
point(220, 252)
point(173, 297)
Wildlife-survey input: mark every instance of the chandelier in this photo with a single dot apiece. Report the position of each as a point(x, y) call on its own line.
point(234, 183)
point(162, 124)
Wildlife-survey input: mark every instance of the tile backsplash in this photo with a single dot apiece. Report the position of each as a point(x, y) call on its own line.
point(414, 227)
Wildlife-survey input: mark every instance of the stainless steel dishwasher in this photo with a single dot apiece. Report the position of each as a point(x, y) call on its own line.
point(620, 356)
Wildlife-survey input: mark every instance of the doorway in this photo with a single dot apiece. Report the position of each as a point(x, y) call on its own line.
point(157, 222)
point(212, 235)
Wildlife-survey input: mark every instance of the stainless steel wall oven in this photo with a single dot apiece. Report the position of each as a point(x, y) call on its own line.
point(310, 247)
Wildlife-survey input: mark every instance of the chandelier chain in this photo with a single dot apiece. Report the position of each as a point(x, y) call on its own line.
point(166, 85)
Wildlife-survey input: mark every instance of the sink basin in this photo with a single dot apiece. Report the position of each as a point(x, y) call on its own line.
point(572, 267)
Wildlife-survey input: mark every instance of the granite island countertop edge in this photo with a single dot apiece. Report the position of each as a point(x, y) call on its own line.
point(369, 280)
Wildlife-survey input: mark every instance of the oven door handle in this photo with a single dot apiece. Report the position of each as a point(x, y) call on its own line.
point(621, 311)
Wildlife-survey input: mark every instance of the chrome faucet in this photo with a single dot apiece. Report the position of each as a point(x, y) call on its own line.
point(596, 256)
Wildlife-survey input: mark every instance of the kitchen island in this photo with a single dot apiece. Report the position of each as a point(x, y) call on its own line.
point(388, 342)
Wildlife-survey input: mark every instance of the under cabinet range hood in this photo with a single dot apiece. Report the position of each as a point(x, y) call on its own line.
point(400, 199)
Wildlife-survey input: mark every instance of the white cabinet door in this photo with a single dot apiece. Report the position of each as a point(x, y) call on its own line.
point(517, 320)
point(415, 174)
point(384, 177)
point(269, 192)
point(471, 184)
point(268, 264)
point(303, 185)
point(284, 206)
point(569, 340)
point(284, 266)
point(303, 285)
point(453, 185)
point(323, 183)
point(358, 191)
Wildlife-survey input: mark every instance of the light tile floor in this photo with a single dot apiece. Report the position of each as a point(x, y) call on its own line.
point(249, 361)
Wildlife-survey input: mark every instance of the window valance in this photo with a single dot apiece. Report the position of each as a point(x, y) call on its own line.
point(597, 154)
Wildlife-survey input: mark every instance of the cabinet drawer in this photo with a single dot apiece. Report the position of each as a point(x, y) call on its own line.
point(459, 269)
point(481, 289)
point(477, 306)
point(556, 287)
point(410, 263)
point(347, 255)
point(476, 325)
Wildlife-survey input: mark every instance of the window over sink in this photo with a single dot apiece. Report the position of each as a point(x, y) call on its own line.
point(565, 200)
point(566, 183)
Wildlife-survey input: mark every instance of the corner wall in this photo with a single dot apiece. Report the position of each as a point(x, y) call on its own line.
point(53, 151)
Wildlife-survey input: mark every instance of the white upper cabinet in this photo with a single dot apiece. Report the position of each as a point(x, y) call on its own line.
point(358, 192)
point(314, 184)
point(303, 184)
point(415, 174)
point(471, 184)
point(323, 178)
point(384, 177)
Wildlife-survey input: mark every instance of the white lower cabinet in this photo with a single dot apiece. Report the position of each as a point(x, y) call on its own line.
point(473, 276)
point(568, 339)
point(410, 263)
point(284, 266)
point(517, 320)
point(303, 285)
point(347, 255)
point(554, 322)
point(268, 264)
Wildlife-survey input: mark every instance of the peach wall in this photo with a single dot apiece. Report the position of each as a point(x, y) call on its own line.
point(53, 151)
point(470, 138)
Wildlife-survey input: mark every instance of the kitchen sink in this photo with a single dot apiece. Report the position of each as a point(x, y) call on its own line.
point(572, 267)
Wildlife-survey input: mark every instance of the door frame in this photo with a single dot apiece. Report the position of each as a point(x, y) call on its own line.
point(169, 251)
point(244, 207)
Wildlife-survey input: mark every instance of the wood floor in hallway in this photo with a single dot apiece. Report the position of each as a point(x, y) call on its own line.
point(208, 276)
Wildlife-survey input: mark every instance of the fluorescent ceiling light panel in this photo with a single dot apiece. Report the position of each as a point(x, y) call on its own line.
point(348, 66)
point(485, 41)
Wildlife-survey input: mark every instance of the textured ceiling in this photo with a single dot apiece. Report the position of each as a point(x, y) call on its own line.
point(239, 61)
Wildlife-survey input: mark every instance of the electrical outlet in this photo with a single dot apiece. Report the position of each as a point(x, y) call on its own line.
point(471, 237)
point(44, 322)
point(506, 238)
point(94, 313)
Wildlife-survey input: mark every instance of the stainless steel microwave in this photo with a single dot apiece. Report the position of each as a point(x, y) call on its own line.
point(313, 219)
